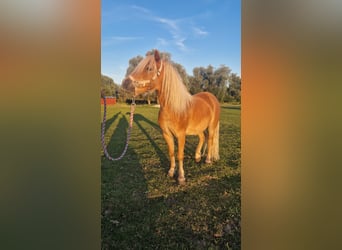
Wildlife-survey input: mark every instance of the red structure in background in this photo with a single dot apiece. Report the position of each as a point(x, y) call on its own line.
point(110, 100)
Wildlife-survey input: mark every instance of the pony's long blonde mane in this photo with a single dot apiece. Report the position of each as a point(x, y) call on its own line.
point(173, 92)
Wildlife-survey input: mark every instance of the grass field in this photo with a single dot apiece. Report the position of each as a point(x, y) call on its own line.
point(142, 208)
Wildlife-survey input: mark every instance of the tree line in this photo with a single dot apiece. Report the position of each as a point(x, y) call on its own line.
point(224, 84)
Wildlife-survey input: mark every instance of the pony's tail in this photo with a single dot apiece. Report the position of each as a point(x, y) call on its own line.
point(215, 148)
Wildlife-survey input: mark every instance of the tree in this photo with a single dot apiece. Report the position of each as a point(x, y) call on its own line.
point(108, 87)
point(133, 62)
point(211, 80)
point(234, 89)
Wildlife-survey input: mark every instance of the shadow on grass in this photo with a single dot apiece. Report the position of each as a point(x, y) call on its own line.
point(204, 215)
point(138, 119)
point(123, 192)
point(111, 120)
point(118, 139)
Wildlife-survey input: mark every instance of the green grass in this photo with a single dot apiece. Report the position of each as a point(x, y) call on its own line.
point(142, 208)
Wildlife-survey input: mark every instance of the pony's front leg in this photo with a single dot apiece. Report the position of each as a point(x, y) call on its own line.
point(170, 144)
point(181, 143)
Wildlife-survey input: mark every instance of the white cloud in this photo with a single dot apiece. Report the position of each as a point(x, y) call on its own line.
point(174, 27)
point(141, 9)
point(161, 42)
point(170, 23)
point(180, 29)
point(199, 32)
point(180, 44)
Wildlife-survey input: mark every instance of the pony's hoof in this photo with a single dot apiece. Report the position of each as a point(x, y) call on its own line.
point(171, 173)
point(181, 181)
point(197, 160)
point(208, 161)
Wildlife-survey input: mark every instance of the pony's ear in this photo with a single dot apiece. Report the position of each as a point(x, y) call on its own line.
point(156, 55)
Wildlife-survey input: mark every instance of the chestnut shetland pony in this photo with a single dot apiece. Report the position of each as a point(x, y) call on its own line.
point(180, 112)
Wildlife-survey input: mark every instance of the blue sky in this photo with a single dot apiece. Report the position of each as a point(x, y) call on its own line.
point(195, 32)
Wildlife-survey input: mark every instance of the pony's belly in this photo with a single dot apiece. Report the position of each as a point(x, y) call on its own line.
point(196, 128)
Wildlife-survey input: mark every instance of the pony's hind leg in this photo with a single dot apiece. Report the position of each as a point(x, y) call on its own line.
point(181, 143)
point(210, 144)
point(199, 147)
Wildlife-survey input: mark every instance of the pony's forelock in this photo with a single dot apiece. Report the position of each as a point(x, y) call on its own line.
point(142, 65)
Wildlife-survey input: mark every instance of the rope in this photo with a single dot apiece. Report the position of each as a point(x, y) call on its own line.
point(104, 146)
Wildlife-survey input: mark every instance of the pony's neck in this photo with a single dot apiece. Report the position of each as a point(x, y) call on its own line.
point(161, 99)
point(173, 94)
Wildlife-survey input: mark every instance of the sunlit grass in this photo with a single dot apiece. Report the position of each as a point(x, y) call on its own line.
point(142, 208)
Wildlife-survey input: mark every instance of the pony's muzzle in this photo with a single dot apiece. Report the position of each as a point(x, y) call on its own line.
point(128, 85)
